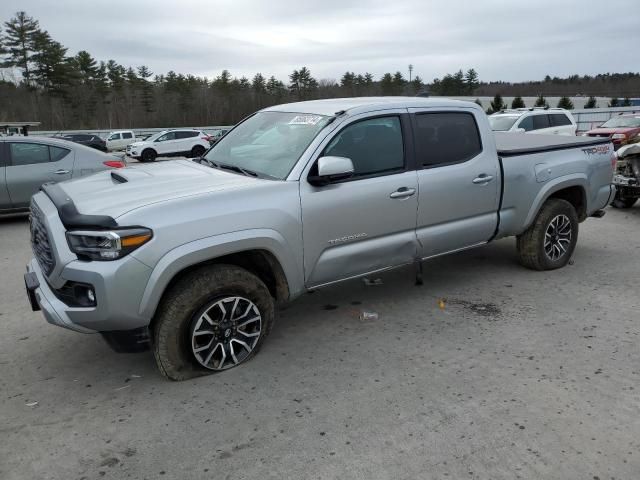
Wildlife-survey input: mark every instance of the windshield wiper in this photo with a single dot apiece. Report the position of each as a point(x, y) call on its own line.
point(234, 168)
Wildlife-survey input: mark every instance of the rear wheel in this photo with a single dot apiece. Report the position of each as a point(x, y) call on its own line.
point(148, 155)
point(212, 319)
point(623, 202)
point(550, 241)
point(197, 151)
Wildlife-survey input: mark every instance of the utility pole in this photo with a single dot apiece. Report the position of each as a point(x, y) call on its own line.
point(410, 71)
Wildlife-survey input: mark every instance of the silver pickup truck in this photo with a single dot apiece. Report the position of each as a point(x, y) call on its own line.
point(192, 256)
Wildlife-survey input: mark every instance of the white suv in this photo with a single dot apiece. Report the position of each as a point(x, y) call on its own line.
point(550, 121)
point(170, 143)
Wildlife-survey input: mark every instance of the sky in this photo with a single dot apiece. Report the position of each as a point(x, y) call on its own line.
point(502, 39)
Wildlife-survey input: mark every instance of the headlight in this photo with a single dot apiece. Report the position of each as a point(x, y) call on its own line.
point(618, 135)
point(107, 245)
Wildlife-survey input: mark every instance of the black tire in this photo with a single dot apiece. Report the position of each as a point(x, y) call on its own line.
point(148, 155)
point(623, 202)
point(197, 151)
point(532, 251)
point(185, 304)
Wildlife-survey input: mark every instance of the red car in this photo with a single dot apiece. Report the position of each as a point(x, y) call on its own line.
point(621, 130)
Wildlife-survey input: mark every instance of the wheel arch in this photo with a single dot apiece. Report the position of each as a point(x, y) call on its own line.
point(573, 190)
point(263, 256)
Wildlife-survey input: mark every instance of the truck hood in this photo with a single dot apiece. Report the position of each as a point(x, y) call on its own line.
point(116, 192)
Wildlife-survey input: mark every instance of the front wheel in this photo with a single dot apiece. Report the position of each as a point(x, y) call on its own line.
point(623, 202)
point(550, 241)
point(148, 155)
point(212, 319)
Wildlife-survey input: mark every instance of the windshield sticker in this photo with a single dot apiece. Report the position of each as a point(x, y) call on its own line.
point(305, 120)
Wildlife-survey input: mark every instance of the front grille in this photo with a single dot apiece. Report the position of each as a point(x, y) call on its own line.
point(40, 240)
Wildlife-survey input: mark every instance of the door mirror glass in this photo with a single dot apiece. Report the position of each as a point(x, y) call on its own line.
point(332, 169)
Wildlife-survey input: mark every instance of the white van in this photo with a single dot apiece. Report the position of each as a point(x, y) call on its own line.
point(119, 140)
point(549, 121)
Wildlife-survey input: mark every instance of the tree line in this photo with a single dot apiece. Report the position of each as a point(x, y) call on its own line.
point(40, 80)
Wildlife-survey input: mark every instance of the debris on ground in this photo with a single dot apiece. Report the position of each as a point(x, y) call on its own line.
point(442, 302)
point(368, 316)
point(31, 404)
point(122, 388)
point(369, 282)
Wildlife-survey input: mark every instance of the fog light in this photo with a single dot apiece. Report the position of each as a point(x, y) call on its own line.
point(91, 296)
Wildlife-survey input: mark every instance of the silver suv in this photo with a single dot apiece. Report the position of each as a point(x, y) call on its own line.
point(197, 254)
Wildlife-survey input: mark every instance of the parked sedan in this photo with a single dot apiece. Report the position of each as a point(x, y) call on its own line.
point(93, 141)
point(622, 130)
point(28, 162)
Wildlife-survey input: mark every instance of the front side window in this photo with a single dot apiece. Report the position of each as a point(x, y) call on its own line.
point(540, 121)
point(115, 136)
point(166, 137)
point(445, 138)
point(268, 143)
point(28, 153)
point(374, 146)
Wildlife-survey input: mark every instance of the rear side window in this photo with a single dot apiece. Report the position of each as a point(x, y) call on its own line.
point(540, 121)
point(446, 138)
point(559, 120)
point(127, 135)
point(373, 145)
point(33, 153)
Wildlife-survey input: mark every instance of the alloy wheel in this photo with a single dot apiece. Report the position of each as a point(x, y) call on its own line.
point(225, 332)
point(557, 237)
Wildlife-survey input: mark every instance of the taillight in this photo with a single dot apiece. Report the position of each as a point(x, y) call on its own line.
point(614, 160)
point(206, 137)
point(114, 164)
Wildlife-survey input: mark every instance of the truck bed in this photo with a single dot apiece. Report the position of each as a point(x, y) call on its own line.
point(510, 144)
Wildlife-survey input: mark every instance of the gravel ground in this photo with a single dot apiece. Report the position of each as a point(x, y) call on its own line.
point(487, 371)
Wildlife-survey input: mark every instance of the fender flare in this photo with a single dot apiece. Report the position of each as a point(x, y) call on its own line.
point(210, 248)
point(551, 187)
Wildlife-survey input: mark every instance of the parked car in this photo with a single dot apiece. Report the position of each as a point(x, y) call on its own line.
point(93, 141)
point(119, 140)
point(622, 130)
point(294, 198)
point(555, 121)
point(28, 162)
point(169, 143)
point(217, 135)
point(627, 177)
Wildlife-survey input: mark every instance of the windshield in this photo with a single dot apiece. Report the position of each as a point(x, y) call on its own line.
point(268, 143)
point(502, 123)
point(618, 122)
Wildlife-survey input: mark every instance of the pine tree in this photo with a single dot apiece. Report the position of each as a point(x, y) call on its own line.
point(518, 102)
point(399, 83)
point(146, 99)
point(259, 84)
point(565, 103)
point(614, 102)
point(86, 66)
point(19, 44)
point(386, 84)
point(275, 88)
point(591, 103)
point(497, 104)
point(541, 102)
point(52, 70)
point(302, 84)
point(471, 81)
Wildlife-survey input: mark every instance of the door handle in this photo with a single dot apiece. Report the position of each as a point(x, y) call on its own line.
point(62, 172)
point(403, 192)
point(482, 179)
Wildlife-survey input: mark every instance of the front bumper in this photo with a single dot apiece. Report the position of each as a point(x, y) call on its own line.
point(622, 181)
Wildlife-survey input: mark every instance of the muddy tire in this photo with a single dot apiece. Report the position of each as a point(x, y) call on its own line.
point(148, 155)
point(212, 319)
point(550, 241)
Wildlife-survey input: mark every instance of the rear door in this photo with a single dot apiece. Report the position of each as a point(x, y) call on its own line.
point(185, 140)
point(5, 200)
point(31, 164)
point(458, 180)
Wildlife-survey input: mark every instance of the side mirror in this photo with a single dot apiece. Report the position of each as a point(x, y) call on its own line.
point(331, 169)
point(520, 130)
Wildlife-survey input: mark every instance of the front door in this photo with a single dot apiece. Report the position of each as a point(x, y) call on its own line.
point(459, 180)
point(166, 143)
point(31, 165)
point(366, 223)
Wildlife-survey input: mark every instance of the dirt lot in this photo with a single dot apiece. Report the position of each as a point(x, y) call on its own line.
point(520, 375)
